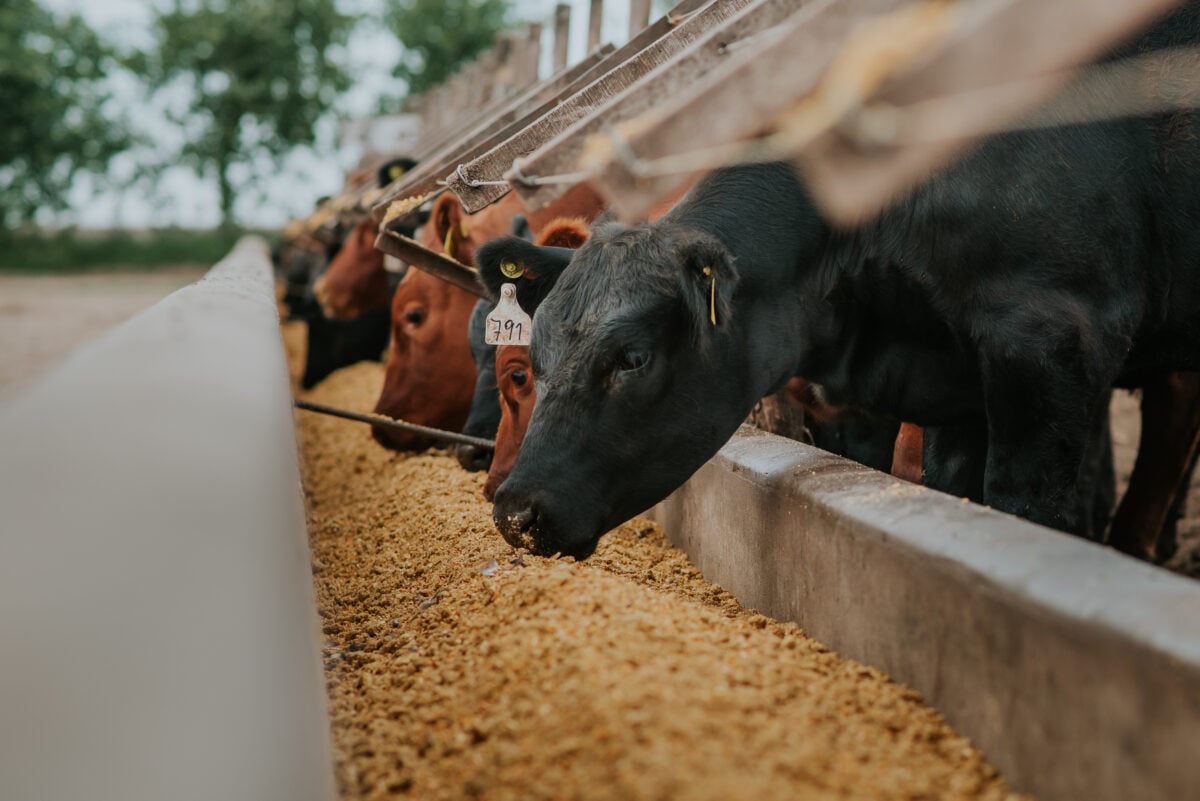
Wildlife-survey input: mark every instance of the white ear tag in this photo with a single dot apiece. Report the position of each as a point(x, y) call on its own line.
point(508, 324)
point(393, 265)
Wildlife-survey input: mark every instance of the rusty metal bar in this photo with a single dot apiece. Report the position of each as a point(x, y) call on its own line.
point(508, 119)
point(399, 425)
point(561, 154)
point(467, 181)
point(417, 255)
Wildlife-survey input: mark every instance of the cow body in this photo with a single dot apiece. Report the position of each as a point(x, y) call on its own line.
point(995, 307)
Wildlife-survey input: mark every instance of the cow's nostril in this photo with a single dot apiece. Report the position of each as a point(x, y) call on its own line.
point(522, 519)
point(516, 520)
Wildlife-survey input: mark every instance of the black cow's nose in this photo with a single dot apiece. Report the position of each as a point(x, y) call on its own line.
point(472, 458)
point(515, 519)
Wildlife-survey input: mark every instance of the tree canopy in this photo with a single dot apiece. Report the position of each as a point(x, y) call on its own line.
point(440, 35)
point(259, 74)
point(55, 99)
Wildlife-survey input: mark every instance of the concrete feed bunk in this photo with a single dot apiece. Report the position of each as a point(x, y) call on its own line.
point(459, 668)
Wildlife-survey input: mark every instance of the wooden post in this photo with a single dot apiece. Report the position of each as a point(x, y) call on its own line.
point(562, 32)
point(595, 20)
point(639, 16)
point(533, 53)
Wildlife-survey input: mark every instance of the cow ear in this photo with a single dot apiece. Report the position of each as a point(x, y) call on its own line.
point(709, 279)
point(520, 227)
point(446, 219)
point(533, 268)
point(393, 169)
point(565, 232)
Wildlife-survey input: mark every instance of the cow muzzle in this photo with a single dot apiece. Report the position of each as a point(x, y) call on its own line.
point(525, 522)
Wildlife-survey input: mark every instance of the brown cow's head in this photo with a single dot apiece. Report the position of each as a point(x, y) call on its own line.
point(430, 375)
point(355, 282)
point(514, 373)
point(514, 379)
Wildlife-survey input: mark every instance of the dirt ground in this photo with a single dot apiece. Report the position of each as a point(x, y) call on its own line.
point(458, 667)
point(44, 318)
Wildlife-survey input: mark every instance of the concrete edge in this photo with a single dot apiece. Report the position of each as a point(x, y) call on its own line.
point(156, 601)
point(1076, 669)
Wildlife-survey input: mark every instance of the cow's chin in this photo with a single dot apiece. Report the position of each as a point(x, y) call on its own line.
point(395, 440)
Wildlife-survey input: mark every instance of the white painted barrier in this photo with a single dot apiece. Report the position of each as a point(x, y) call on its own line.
point(158, 637)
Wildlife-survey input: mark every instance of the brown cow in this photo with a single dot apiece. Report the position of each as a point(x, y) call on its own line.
point(355, 282)
point(430, 375)
point(1166, 457)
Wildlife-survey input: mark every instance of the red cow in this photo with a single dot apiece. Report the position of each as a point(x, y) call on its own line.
point(430, 375)
point(1165, 460)
point(355, 282)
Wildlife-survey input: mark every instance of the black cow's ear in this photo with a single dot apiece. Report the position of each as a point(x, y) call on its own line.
point(520, 227)
point(709, 279)
point(533, 268)
point(393, 169)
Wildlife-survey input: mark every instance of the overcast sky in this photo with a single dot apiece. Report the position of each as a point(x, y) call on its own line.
point(182, 198)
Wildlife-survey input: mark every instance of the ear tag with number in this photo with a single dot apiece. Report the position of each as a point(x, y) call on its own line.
point(508, 324)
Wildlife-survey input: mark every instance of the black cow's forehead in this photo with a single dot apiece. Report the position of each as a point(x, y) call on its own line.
point(619, 280)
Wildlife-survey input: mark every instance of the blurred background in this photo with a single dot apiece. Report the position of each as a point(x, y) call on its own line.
point(140, 138)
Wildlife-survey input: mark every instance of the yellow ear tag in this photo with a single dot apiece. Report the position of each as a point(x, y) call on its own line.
point(448, 245)
point(462, 229)
point(712, 295)
point(510, 269)
point(395, 172)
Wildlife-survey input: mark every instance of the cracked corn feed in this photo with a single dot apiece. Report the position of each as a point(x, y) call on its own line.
point(458, 667)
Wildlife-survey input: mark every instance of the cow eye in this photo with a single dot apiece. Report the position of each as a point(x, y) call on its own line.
point(632, 360)
point(415, 316)
point(519, 377)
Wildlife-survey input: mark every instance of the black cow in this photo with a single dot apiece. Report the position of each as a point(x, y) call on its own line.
point(334, 344)
point(484, 418)
point(996, 306)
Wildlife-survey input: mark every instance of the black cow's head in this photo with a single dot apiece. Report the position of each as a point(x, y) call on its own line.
point(634, 345)
point(484, 417)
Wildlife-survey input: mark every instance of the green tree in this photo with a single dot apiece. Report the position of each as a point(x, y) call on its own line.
point(439, 35)
point(55, 103)
point(258, 75)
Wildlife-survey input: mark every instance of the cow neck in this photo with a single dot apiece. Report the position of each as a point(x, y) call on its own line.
point(766, 219)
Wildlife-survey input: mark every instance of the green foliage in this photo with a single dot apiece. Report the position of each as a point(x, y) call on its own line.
point(54, 95)
point(75, 251)
point(260, 74)
point(440, 35)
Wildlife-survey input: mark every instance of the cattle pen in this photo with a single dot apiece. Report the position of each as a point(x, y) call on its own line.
point(200, 583)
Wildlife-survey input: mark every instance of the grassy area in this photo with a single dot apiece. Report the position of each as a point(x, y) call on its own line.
point(71, 251)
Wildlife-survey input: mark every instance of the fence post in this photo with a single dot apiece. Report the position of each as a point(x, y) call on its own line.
point(639, 16)
point(562, 32)
point(595, 20)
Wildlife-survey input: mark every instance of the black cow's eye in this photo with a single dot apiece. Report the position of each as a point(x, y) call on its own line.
point(518, 377)
point(415, 316)
point(632, 360)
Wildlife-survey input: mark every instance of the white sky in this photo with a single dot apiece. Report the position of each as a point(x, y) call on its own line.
point(182, 198)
